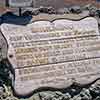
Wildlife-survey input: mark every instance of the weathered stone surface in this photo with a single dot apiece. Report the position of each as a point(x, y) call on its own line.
point(49, 10)
point(75, 9)
point(3, 47)
point(56, 54)
point(31, 11)
point(57, 95)
point(63, 11)
point(83, 95)
point(95, 89)
point(52, 17)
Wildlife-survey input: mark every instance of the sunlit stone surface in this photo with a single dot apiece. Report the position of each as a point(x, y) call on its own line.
point(56, 54)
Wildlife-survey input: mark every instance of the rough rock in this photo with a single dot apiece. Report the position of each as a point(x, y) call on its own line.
point(31, 11)
point(3, 47)
point(83, 95)
point(63, 11)
point(49, 10)
point(95, 89)
point(97, 98)
point(98, 12)
point(75, 9)
point(88, 7)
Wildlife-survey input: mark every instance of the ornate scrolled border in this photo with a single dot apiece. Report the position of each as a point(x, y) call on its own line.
point(49, 88)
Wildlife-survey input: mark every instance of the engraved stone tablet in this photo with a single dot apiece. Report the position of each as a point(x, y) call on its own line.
point(56, 54)
point(20, 3)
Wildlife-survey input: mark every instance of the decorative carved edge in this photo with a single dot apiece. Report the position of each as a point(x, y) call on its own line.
point(40, 89)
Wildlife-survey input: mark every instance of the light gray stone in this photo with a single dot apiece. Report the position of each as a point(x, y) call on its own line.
point(58, 71)
point(63, 11)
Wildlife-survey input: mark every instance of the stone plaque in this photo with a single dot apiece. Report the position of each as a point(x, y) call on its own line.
point(53, 54)
point(20, 3)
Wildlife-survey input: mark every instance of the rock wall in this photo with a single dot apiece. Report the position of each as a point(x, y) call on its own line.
point(62, 3)
point(2, 3)
point(83, 2)
point(54, 3)
point(58, 3)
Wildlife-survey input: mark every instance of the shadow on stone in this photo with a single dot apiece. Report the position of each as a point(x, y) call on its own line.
point(11, 18)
